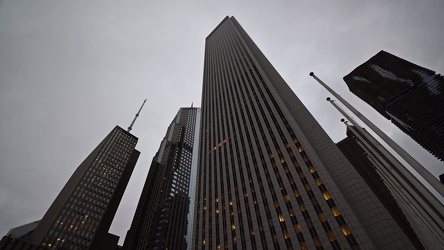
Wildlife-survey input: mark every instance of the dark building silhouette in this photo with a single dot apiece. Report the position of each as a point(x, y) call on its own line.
point(19, 238)
point(164, 215)
point(412, 97)
point(359, 158)
point(82, 213)
point(416, 210)
point(269, 177)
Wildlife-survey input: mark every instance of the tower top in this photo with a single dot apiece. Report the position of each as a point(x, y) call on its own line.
point(135, 117)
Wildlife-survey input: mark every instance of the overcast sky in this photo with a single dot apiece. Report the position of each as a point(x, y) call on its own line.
point(72, 70)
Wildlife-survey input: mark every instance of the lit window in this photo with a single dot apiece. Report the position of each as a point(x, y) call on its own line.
point(345, 230)
point(286, 198)
point(326, 195)
point(335, 211)
point(331, 236)
point(281, 218)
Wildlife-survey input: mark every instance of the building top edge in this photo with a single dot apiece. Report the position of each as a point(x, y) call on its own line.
point(123, 130)
point(226, 18)
point(380, 57)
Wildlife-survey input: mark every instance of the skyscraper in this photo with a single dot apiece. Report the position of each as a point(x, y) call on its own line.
point(410, 96)
point(269, 176)
point(164, 215)
point(82, 213)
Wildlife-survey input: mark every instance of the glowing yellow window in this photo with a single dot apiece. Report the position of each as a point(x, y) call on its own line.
point(281, 218)
point(286, 198)
point(286, 234)
point(318, 181)
point(345, 230)
point(297, 228)
point(300, 149)
point(233, 227)
point(331, 236)
point(335, 211)
point(312, 169)
point(296, 193)
point(326, 195)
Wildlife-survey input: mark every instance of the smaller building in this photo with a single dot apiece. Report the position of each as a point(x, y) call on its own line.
point(82, 213)
point(401, 193)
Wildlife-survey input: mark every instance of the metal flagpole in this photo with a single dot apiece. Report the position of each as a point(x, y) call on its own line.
point(432, 180)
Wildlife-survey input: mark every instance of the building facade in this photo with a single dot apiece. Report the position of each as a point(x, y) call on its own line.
point(368, 169)
point(411, 204)
point(269, 177)
point(410, 96)
point(164, 215)
point(82, 213)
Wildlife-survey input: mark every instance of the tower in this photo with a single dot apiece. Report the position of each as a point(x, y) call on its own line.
point(164, 214)
point(269, 176)
point(410, 96)
point(82, 213)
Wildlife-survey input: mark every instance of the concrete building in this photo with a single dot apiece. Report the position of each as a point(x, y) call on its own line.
point(269, 177)
point(164, 215)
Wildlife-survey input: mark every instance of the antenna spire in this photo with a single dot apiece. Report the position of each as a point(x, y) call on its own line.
point(135, 117)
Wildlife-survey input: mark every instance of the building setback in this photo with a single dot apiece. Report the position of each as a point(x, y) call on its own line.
point(269, 177)
point(82, 213)
point(164, 215)
point(410, 96)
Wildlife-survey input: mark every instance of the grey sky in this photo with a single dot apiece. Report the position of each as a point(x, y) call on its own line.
point(72, 70)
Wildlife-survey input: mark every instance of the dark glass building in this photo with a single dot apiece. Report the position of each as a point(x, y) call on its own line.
point(412, 97)
point(164, 215)
point(269, 177)
point(82, 213)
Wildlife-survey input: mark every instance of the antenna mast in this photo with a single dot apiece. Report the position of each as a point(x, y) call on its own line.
point(135, 117)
